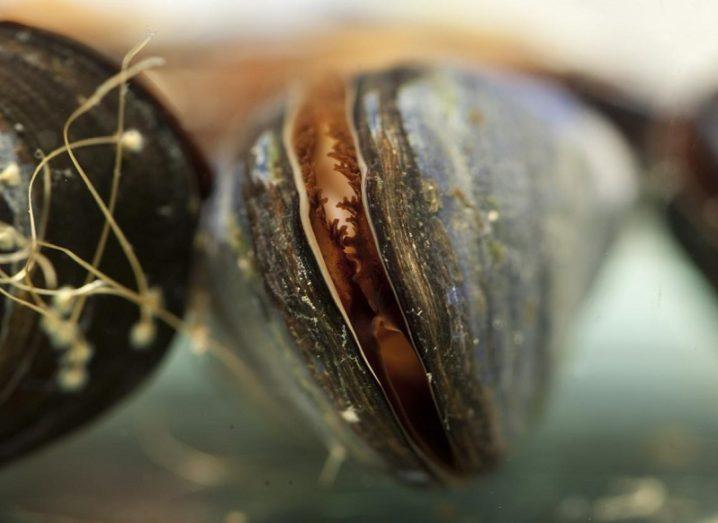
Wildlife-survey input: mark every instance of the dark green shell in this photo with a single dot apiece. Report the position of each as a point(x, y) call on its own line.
point(43, 78)
point(492, 199)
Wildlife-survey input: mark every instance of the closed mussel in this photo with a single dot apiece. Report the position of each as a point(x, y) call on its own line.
point(80, 284)
point(397, 251)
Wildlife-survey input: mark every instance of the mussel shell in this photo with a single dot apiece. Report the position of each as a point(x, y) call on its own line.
point(43, 79)
point(690, 147)
point(492, 198)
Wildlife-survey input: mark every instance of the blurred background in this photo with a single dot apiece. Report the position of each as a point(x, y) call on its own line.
point(630, 431)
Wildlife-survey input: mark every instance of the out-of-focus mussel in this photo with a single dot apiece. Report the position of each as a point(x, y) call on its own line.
point(398, 250)
point(111, 215)
point(679, 152)
point(687, 148)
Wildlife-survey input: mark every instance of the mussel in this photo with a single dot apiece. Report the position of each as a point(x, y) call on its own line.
point(100, 241)
point(687, 149)
point(397, 251)
point(678, 150)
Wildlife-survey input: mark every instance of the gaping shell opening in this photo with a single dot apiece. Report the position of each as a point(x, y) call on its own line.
point(338, 229)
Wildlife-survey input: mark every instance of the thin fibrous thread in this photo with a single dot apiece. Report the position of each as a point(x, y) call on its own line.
point(116, 173)
point(99, 94)
point(96, 282)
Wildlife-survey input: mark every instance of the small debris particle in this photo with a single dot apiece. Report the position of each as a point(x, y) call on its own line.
point(8, 237)
point(132, 140)
point(244, 264)
point(72, 378)
point(350, 415)
point(492, 215)
point(79, 353)
point(10, 175)
point(143, 333)
point(431, 196)
point(307, 301)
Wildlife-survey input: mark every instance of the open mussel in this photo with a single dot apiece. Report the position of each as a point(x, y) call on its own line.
point(96, 246)
point(397, 251)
